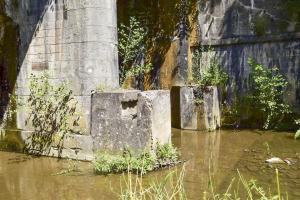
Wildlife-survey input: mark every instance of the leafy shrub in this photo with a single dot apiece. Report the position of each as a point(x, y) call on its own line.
point(268, 87)
point(131, 40)
point(106, 163)
point(214, 76)
point(210, 75)
point(166, 153)
point(51, 112)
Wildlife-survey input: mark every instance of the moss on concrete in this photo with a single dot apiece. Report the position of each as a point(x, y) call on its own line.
point(162, 19)
point(260, 25)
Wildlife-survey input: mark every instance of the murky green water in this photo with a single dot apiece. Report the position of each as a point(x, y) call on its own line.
point(221, 153)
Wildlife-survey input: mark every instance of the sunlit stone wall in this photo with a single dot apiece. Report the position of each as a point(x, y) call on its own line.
point(267, 31)
point(72, 40)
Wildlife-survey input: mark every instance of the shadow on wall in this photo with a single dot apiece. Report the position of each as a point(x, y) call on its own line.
point(169, 25)
point(19, 21)
point(242, 29)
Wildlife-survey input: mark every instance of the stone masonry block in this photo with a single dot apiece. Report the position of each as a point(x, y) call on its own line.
point(212, 113)
point(72, 40)
point(184, 113)
point(114, 120)
point(73, 146)
point(192, 115)
point(154, 118)
point(130, 119)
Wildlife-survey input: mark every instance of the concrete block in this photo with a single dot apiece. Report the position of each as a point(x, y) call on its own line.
point(72, 146)
point(114, 120)
point(191, 115)
point(184, 113)
point(212, 113)
point(130, 119)
point(154, 118)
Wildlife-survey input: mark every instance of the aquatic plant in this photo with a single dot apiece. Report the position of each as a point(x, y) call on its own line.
point(51, 113)
point(72, 167)
point(131, 47)
point(268, 89)
point(170, 187)
point(250, 190)
point(106, 163)
point(166, 153)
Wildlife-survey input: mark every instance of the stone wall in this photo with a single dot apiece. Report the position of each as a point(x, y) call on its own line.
point(72, 40)
point(267, 31)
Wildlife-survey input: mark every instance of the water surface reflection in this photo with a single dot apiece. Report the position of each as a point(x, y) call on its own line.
point(221, 153)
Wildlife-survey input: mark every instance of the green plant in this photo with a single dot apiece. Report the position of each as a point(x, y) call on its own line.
point(166, 153)
point(131, 40)
point(206, 69)
point(106, 163)
point(268, 87)
point(170, 187)
point(51, 113)
point(10, 112)
point(297, 134)
point(250, 190)
point(260, 25)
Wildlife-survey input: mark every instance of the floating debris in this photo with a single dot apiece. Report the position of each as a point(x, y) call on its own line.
point(275, 160)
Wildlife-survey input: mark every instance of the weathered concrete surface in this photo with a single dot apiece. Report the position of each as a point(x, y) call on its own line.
point(72, 40)
point(184, 109)
point(130, 119)
point(189, 114)
point(169, 24)
point(154, 118)
point(219, 19)
point(114, 120)
point(120, 119)
point(211, 103)
point(71, 146)
point(267, 31)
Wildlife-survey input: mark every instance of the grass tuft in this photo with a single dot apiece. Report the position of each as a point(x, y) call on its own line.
point(165, 155)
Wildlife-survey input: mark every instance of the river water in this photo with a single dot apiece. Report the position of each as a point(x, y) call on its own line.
point(217, 155)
